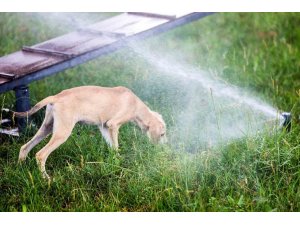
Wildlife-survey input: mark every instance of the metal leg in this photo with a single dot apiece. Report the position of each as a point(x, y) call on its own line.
point(22, 105)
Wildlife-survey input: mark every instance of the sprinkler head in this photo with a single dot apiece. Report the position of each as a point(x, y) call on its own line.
point(287, 119)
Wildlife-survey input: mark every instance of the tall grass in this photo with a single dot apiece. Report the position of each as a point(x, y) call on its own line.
point(256, 51)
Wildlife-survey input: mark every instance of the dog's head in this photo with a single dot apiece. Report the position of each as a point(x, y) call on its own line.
point(157, 128)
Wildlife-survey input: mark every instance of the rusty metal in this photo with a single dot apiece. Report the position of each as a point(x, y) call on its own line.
point(7, 76)
point(154, 15)
point(47, 52)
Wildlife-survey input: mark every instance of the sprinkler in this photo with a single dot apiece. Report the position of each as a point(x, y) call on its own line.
point(287, 119)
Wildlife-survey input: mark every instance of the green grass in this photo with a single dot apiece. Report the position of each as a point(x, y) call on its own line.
point(258, 52)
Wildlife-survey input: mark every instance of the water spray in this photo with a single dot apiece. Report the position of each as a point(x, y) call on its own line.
point(229, 105)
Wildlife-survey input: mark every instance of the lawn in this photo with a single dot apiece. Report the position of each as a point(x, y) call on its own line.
point(257, 52)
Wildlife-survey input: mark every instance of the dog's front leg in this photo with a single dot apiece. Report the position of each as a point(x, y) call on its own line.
point(113, 130)
point(106, 135)
point(114, 134)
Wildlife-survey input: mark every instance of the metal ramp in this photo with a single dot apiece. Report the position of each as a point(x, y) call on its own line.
point(35, 62)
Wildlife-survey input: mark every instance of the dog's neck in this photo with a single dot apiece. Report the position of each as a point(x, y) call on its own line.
point(142, 118)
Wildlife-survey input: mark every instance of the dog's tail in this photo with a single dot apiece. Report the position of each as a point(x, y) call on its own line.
point(35, 108)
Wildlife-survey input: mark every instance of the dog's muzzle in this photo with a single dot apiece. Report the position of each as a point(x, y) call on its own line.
point(163, 140)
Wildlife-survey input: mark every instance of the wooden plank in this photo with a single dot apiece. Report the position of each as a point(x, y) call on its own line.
point(76, 42)
point(7, 75)
point(128, 24)
point(3, 80)
point(103, 33)
point(21, 63)
point(47, 52)
point(154, 15)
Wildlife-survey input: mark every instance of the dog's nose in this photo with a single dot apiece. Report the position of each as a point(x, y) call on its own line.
point(163, 140)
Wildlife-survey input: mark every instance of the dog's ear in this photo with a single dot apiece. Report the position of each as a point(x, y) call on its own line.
point(145, 128)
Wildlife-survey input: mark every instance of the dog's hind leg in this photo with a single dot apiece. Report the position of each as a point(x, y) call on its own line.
point(43, 132)
point(62, 129)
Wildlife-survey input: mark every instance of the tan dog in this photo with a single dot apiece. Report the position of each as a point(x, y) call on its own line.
point(108, 108)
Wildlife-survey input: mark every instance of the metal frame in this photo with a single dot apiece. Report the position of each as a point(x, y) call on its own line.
point(22, 105)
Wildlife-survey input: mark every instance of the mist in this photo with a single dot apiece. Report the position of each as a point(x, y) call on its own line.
point(205, 110)
point(215, 112)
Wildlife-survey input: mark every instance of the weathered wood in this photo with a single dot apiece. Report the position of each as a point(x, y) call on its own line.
point(7, 75)
point(47, 52)
point(103, 33)
point(154, 15)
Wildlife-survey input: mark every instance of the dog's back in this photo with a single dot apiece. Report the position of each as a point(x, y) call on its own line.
point(95, 104)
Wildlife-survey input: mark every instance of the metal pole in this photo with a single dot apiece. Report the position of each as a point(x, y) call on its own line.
point(22, 105)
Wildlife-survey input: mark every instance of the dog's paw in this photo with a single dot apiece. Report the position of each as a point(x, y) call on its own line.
point(21, 159)
point(46, 176)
